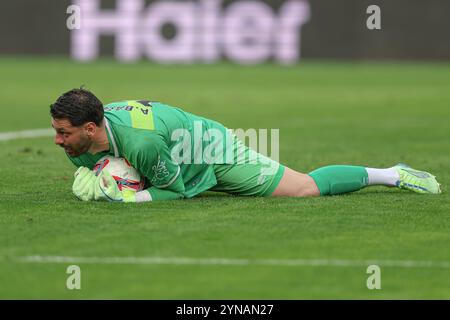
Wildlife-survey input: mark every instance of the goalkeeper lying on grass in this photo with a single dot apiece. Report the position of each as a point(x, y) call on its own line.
point(157, 140)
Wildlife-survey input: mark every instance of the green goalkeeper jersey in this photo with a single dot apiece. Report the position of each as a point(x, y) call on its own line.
point(149, 135)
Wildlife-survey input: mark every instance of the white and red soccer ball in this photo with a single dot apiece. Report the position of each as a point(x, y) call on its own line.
point(121, 170)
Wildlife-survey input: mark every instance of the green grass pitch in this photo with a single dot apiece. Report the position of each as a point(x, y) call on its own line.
point(372, 114)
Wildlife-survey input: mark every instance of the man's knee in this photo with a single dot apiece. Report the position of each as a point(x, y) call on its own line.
point(296, 184)
point(307, 188)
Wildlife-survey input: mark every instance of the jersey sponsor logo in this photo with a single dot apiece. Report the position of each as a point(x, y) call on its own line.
point(160, 171)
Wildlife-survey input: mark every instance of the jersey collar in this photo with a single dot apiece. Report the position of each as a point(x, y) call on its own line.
point(111, 138)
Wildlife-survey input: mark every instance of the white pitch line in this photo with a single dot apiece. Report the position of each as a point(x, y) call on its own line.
point(236, 262)
point(34, 133)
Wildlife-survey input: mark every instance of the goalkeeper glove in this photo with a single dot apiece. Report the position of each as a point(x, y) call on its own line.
point(106, 189)
point(87, 187)
point(83, 186)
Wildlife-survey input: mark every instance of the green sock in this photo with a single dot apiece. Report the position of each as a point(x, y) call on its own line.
point(339, 179)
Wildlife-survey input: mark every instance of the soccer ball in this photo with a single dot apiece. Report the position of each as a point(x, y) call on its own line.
point(121, 170)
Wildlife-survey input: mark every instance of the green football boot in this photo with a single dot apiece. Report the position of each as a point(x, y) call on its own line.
point(417, 181)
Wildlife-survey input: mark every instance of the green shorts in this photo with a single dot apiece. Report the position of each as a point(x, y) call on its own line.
point(251, 173)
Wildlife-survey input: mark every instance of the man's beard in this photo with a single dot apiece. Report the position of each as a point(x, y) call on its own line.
point(78, 150)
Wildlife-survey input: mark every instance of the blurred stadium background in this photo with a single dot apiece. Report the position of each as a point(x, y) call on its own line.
point(339, 92)
point(206, 30)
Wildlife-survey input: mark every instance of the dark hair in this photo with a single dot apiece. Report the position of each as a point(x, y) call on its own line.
point(79, 106)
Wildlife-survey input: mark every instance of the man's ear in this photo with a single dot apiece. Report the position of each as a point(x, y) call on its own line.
point(91, 128)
